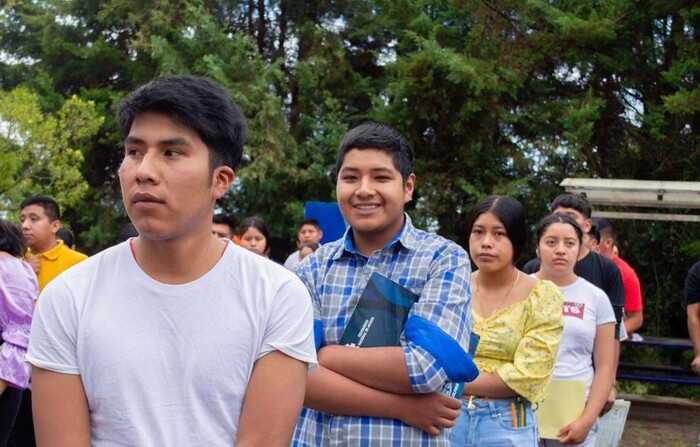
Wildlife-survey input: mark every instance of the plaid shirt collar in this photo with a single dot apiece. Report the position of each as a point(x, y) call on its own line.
point(406, 237)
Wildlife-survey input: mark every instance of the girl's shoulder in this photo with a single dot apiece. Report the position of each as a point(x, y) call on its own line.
point(545, 294)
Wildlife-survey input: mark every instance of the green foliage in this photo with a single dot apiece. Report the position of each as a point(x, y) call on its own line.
point(43, 153)
point(496, 97)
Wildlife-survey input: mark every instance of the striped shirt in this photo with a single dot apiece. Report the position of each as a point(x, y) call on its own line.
point(431, 266)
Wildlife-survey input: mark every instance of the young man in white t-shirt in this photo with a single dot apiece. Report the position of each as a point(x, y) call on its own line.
point(175, 337)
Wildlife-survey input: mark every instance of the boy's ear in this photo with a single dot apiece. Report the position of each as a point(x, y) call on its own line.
point(221, 182)
point(55, 226)
point(409, 188)
point(587, 226)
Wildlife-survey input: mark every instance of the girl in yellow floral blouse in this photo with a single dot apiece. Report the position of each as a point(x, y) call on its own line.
point(519, 320)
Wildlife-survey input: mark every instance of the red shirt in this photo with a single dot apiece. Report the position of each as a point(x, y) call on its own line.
point(633, 291)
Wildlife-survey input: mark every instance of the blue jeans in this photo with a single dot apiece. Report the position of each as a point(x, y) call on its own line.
point(490, 424)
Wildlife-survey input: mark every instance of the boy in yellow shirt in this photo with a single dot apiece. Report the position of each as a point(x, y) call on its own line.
point(40, 217)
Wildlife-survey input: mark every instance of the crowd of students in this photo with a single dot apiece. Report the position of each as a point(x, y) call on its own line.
point(185, 334)
point(253, 234)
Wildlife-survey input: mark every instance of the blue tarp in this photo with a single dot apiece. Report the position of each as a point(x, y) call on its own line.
point(328, 216)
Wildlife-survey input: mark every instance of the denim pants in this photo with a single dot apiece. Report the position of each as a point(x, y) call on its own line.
point(489, 423)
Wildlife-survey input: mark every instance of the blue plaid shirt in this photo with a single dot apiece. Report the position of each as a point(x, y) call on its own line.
point(433, 267)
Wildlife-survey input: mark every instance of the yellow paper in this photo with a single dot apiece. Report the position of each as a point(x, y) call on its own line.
point(564, 404)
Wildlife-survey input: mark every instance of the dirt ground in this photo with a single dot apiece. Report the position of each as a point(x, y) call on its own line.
point(661, 421)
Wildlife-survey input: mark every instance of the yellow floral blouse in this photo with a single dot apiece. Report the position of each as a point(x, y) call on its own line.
point(520, 342)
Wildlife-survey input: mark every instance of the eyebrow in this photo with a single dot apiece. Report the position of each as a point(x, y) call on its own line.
point(497, 226)
point(175, 141)
point(354, 169)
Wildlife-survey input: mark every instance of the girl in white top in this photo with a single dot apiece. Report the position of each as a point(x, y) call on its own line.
point(589, 325)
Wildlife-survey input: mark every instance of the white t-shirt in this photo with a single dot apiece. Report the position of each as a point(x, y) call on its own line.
point(585, 307)
point(292, 261)
point(169, 364)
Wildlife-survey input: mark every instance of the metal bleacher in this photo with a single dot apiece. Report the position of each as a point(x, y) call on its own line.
point(679, 375)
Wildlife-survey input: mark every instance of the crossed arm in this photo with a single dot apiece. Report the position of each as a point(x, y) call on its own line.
point(350, 378)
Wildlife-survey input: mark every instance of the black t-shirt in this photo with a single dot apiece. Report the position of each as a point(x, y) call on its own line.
point(602, 273)
point(532, 266)
point(692, 285)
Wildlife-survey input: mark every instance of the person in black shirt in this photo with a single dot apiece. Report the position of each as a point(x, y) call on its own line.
point(692, 300)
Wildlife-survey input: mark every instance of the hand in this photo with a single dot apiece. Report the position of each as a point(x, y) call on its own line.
point(576, 432)
point(430, 412)
point(696, 364)
point(34, 262)
point(609, 403)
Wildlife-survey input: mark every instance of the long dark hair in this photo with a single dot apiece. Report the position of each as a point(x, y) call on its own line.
point(511, 214)
point(546, 221)
point(11, 239)
point(260, 225)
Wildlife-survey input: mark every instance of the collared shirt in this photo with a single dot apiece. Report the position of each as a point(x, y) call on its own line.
point(431, 266)
point(56, 260)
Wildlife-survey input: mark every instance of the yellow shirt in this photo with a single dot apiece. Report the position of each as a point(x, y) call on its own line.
point(56, 260)
point(520, 342)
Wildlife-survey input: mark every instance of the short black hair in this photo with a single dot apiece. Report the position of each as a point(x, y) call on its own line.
point(312, 245)
point(511, 213)
point(66, 236)
point(259, 224)
point(607, 229)
point(51, 208)
point(197, 103)
point(11, 240)
point(546, 221)
point(373, 135)
point(579, 202)
point(225, 219)
point(309, 221)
